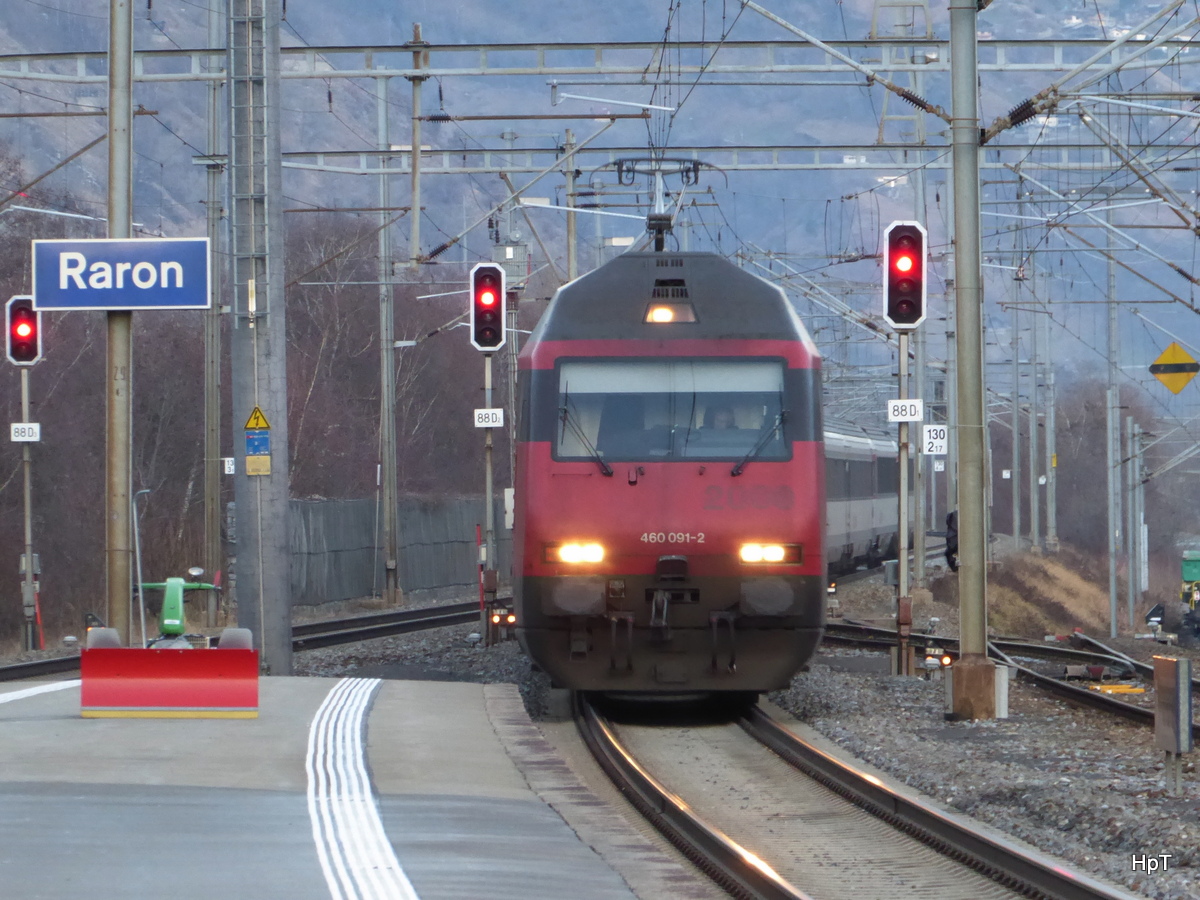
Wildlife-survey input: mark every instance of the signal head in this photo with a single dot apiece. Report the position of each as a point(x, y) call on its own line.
point(904, 264)
point(23, 327)
point(487, 307)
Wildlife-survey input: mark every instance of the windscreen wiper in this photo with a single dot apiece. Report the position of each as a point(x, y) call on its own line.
point(687, 435)
point(569, 420)
point(762, 442)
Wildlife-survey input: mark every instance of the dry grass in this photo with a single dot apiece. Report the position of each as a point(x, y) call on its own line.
point(1031, 595)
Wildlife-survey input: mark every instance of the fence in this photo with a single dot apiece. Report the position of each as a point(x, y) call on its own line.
point(336, 552)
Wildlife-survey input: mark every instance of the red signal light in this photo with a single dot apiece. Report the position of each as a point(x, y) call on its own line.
point(487, 307)
point(904, 275)
point(22, 324)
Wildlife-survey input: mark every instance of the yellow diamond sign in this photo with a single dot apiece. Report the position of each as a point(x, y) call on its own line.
point(1175, 368)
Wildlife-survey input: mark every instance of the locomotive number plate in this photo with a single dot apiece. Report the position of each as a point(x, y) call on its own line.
point(673, 537)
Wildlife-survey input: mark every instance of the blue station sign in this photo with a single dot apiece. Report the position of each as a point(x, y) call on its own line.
point(109, 274)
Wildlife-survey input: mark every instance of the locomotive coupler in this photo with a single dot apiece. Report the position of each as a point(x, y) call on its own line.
point(660, 630)
point(715, 619)
point(626, 619)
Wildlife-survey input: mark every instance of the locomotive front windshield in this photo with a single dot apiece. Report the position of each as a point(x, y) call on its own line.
point(627, 409)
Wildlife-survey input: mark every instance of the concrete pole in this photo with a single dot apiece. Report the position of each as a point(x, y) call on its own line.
point(1051, 448)
point(387, 360)
point(1024, 289)
point(598, 222)
point(514, 352)
point(902, 536)
point(1016, 426)
point(28, 590)
point(1139, 521)
point(919, 487)
point(951, 395)
point(213, 561)
point(119, 425)
point(414, 234)
point(1129, 487)
point(572, 250)
point(920, 343)
point(258, 342)
point(1035, 507)
point(1112, 437)
point(974, 674)
point(489, 511)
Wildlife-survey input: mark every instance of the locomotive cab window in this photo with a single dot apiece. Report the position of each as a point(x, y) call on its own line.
point(627, 409)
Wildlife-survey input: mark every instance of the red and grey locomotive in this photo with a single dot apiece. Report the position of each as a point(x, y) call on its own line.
point(670, 487)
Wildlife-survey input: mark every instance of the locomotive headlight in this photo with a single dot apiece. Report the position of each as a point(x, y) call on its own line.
point(575, 552)
point(752, 553)
point(756, 553)
point(769, 553)
point(665, 313)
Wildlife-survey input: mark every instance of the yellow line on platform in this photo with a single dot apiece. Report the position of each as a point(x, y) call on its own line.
point(169, 713)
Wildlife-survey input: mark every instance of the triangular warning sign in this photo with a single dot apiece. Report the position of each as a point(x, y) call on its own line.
point(257, 421)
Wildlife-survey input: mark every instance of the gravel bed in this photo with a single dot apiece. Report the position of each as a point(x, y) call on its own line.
point(1081, 786)
point(1078, 785)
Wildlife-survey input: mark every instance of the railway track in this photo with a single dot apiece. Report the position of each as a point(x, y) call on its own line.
point(820, 828)
point(934, 555)
point(377, 625)
point(730, 865)
point(309, 636)
point(1010, 652)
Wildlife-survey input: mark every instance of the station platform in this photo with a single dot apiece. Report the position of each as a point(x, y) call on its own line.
point(340, 788)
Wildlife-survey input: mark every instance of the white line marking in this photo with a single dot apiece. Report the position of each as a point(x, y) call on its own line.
point(40, 689)
point(352, 847)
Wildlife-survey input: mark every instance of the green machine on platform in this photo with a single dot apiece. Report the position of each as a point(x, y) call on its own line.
point(172, 622)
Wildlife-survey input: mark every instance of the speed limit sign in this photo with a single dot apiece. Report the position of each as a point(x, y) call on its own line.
point(935, 440)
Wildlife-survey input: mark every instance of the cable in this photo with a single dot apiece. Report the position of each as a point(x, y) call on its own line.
point(178, 136)
point(19, 90)
point(68, 12)
point(163, 31)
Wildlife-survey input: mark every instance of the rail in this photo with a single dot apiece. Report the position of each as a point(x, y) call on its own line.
point(730, 865)
point(309, 636)
point(1001, 860)
point(858, 634)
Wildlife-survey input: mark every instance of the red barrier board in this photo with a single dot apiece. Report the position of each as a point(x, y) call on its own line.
point(121, 682)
